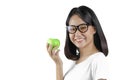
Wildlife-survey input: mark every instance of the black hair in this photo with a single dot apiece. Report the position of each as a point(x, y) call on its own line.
point(88, 16)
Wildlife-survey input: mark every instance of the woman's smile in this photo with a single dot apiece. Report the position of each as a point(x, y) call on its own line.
point(79, 40)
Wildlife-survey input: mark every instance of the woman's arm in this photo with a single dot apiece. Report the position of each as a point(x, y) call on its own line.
point(54, 54)
point(59, 72)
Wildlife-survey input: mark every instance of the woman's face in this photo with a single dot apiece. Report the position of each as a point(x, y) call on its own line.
point(78, 38)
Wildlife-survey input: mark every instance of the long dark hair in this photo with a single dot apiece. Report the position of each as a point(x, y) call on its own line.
point(88, 16)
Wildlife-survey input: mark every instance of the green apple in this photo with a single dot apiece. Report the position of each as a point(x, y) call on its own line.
point(54, 42)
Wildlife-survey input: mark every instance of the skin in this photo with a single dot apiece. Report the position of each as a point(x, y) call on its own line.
point(84, 41)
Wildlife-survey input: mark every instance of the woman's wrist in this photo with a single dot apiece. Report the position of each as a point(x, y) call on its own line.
point(59, 64)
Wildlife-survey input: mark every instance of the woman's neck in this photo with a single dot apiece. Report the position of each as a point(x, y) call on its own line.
point(86, 52)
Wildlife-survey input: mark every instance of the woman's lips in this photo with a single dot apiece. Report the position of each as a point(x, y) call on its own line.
point(79, 40)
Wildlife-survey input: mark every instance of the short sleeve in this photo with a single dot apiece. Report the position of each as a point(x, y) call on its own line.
point(100, 68)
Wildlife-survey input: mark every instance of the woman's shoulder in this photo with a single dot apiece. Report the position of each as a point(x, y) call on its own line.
point(99, 59)
point(98, 56)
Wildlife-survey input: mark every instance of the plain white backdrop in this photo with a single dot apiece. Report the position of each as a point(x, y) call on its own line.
point(25, 26)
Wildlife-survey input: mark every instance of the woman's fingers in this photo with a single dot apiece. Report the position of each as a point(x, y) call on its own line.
point(47, 45)
point(55, 50)
point(49, 49)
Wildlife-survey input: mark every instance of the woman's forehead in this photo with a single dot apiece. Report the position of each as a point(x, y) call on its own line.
point(75, 20)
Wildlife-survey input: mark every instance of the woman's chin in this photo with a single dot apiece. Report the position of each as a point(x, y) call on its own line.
point(79, 44)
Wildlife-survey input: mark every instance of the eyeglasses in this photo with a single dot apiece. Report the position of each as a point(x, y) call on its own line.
point(82, 28)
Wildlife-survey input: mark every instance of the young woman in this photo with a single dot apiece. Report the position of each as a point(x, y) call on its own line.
point(85, 44)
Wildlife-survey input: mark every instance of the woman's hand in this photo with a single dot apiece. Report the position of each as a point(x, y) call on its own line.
point(54, 54)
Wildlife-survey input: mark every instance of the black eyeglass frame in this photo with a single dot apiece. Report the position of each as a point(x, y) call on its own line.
point(77, 28)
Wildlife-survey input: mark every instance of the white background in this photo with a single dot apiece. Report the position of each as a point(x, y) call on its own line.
point(25, 26)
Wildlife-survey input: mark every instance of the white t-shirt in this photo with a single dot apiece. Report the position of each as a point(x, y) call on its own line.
point(93, 68)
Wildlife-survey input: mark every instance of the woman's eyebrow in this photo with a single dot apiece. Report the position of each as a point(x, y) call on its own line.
point(77, 25)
